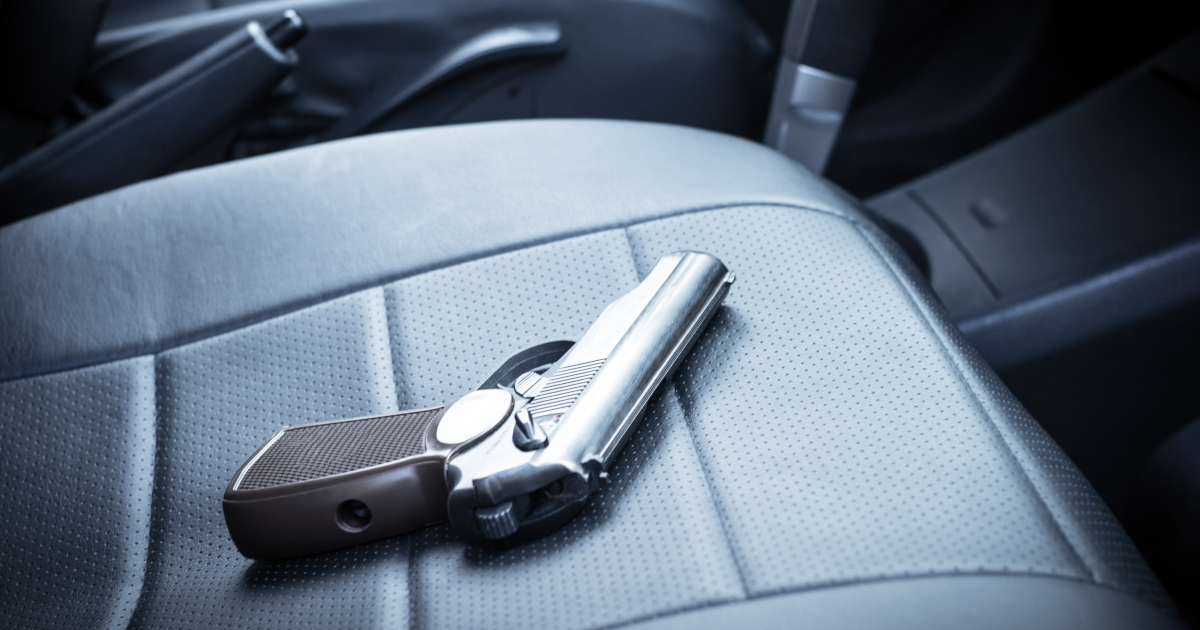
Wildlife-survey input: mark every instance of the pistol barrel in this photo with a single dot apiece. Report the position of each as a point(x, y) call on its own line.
point(598, 424)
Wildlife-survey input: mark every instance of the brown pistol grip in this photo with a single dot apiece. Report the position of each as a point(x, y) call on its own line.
point(323, 486)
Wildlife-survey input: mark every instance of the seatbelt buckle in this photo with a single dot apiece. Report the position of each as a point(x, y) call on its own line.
point(509, 462)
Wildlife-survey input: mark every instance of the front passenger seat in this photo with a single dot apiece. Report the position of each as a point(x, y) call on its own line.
point(831, 454)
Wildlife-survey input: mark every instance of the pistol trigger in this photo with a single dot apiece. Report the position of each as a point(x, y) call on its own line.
point(528, 434)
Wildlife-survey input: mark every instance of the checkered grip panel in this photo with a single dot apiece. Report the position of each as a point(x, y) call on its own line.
point(321, 450)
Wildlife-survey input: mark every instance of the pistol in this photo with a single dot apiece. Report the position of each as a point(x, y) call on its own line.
point(509, 462)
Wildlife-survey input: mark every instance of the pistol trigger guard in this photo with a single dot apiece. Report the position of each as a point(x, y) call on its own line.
point(527, 360)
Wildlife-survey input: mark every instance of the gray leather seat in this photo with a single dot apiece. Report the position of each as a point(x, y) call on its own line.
point(831, 454)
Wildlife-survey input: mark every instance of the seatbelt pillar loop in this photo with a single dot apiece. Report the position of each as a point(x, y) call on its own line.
point(824, 49)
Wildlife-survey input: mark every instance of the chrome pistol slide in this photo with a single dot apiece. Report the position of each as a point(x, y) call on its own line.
point(509, 462)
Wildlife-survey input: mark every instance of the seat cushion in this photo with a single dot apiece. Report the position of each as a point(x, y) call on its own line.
point(830, 443)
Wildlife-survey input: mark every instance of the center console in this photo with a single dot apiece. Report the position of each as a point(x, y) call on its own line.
point(1079, 225)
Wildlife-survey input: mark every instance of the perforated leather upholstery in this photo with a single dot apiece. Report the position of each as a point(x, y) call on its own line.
point(830, 440)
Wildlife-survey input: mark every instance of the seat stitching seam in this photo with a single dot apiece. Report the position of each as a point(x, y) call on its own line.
point(977, 399)
point(870, 581)
point(712, 495)
point(215, 330)
point(409, 573)
point(700, 459)
point(391, 356)
point(143, 594)
point(410, 551)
